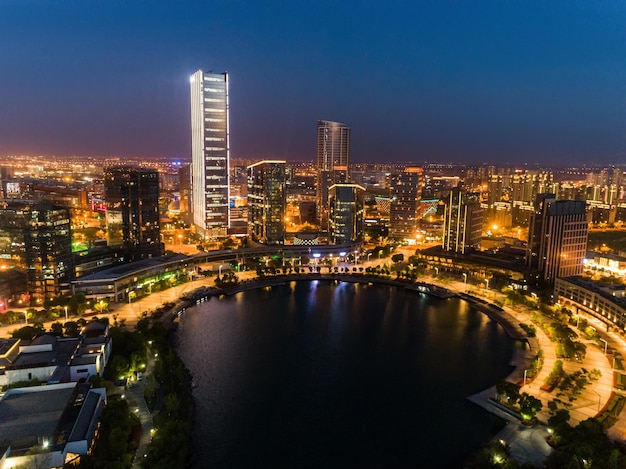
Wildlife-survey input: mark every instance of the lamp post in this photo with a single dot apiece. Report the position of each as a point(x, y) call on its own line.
point(436, 271)
point(65, 313)
point(606, 344)
point(368, 256)
point(525, 372)
point(465, 280)
point(26, 317)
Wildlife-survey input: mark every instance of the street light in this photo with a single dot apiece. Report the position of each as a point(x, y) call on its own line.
point(26, 317)
point(525, 371)
point(368, 256)
point(65, 313)
point(465, 280)
point(487, 282)
point(606, 344)
point(436, 271)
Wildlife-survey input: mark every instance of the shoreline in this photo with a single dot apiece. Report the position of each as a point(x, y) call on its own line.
point(520, 359)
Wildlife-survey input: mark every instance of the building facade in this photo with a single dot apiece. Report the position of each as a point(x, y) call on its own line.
point(607, 303)
point(267, 202)
point(36, 237)
point(210, 153)
point(462, 221)
point(333, 158)
point(345, 203)
point(404, 213)
point(557, 237)
point(132, 200)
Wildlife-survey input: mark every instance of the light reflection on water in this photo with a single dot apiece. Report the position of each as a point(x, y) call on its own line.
point(316, 374)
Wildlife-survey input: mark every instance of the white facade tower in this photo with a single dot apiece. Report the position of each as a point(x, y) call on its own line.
point(210, 153)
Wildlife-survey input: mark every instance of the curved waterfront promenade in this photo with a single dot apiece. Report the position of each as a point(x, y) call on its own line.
point(527, 444)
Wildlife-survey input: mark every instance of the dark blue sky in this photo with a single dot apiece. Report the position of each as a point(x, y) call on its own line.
point(462, 81)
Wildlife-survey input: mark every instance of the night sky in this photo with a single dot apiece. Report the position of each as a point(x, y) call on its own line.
point(454, 81)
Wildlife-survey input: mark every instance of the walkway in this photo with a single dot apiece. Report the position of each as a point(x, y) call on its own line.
point(137, 403)
point(525, 443)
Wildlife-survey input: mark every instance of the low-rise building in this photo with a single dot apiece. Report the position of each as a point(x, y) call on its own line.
point(51, 359)
point(605, 302)
point(49, 426)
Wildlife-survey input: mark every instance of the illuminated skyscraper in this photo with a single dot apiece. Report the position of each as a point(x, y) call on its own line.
point(345, 203)
point(266, 202)
point(210, 153)
point(36, 237)
point(406, 193)
point(557, 237)
point(463, 221)
point(333, 158)
point(132, 197)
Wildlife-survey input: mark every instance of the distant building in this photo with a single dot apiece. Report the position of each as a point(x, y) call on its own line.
point(404, 214)
point(345, 203)
point(37, 237)
point(210, 153)
point(184, 185)
point(266, 202)
point(557, 237)
point(463, 221)
point(333, 159)
point(132, 198)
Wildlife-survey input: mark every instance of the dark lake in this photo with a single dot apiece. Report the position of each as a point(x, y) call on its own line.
point(325, 374)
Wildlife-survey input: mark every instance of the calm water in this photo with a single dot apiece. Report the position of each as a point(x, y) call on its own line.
point(317, 374)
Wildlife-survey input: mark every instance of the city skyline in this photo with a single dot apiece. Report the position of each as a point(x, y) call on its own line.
point(480, 83)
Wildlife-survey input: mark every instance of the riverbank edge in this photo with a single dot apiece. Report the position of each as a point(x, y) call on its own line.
point(520, 359)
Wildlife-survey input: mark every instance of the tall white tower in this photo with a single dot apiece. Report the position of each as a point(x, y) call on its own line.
point(210, 153)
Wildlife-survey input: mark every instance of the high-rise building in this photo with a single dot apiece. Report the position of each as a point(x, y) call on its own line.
point(333, 158)
point(36, 236)
point(132, 198)
point(462, 221)
point(557, 237)
point(210, 153)
point(406, 193)
point(266, 202)
point(345, 203)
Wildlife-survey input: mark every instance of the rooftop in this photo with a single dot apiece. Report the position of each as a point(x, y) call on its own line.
point(125, 269)
point(601, 290)
point(30, 413)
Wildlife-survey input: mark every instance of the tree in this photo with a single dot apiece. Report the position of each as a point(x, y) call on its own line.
point(397, 258)
point(559, 426)
point(78, 303)
point(27, 332)
point(119, 366)
point(529, 406)
point(509, 391)
point(56, 328)
point(101, 305)
point(71, 329)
